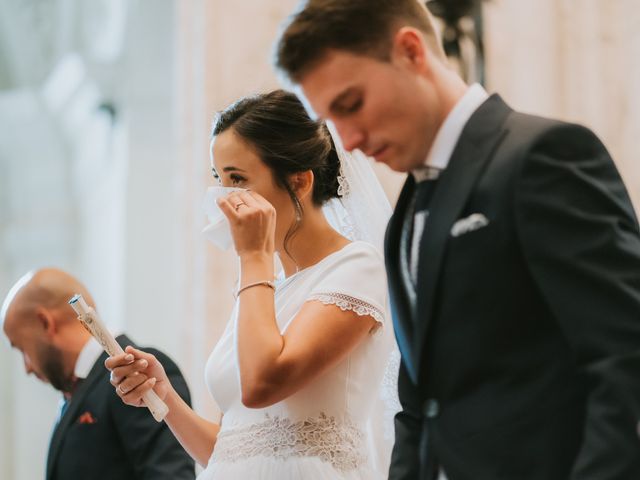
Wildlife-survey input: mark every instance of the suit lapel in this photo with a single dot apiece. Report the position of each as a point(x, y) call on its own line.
point(97, 372)
point(399, 300)
point(479, 139)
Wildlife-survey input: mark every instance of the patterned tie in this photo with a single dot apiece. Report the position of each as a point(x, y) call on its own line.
point(423, 195)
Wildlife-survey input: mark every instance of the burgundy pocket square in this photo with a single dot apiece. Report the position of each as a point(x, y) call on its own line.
point(87, 419)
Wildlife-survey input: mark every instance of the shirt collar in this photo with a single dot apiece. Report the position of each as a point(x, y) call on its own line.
point(87, 358)
point(449, 133)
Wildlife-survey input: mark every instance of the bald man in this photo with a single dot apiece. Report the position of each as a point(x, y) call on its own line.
point(96, 436)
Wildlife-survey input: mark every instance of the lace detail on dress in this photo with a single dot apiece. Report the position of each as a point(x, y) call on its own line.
point(389, 394)
point(347, 302)
point(335, 442)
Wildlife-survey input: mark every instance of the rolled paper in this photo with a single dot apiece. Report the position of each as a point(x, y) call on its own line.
point(92, 322)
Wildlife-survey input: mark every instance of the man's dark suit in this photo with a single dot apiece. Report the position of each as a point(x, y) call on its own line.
point(124, 442)
point(521, 356)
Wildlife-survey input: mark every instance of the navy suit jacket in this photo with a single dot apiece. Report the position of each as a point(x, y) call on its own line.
point(521, 356)
point(124, 442)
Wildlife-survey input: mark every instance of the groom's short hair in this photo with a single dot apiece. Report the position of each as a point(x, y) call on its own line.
point(364, 27)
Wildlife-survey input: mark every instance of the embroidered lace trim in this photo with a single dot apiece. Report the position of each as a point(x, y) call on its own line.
point(346, 302)
point(339, 443)
point(389, 394)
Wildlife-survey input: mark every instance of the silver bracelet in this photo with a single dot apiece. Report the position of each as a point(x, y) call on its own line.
point(266, 283)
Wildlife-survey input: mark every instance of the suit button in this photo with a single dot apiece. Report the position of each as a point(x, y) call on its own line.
point(431, 408)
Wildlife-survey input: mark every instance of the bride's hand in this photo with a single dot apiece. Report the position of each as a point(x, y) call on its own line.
point(253, 222)
point(134, 373)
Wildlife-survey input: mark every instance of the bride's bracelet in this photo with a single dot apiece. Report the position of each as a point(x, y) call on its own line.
point(266, 283)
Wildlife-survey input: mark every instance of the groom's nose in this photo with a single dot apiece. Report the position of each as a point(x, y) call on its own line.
point(352, 136)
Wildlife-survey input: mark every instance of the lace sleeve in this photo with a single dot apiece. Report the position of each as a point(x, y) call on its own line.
point(347, 302)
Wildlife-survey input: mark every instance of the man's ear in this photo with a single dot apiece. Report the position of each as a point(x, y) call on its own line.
point(410, 50)
point(302, 183)
point(45, 320)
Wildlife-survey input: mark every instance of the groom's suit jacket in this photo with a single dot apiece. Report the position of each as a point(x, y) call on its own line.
point(101, 438)
point(521, 355)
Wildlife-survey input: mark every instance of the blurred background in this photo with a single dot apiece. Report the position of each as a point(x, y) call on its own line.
point(105, 110)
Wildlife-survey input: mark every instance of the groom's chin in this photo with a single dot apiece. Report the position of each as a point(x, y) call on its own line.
point(395, 162)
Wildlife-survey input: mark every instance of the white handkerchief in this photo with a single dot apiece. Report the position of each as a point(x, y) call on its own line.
point(217, 231)
point(469, 224)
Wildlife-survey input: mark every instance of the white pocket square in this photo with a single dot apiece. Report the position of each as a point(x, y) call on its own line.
point(469, 224)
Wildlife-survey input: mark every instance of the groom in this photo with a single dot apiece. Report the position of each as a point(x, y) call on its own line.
point(513, 256)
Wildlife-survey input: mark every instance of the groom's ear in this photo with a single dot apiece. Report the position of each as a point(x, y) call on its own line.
point(410, 50)
point(302, 184)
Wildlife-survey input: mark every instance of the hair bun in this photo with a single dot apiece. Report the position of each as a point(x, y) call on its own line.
point(327, 184)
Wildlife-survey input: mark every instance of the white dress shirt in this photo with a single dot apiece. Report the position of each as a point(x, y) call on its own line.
point(450, 131)
point(87, 358)
point(438, 158)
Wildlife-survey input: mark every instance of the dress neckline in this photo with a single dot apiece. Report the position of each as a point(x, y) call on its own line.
point(288, 279)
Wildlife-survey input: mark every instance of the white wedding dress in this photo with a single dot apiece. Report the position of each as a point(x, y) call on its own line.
point(332, 428)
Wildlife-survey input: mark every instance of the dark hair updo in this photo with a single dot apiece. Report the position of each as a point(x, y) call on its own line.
point(287, 140)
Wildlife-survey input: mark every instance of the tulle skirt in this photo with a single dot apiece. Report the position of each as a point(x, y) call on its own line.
point(293, 468)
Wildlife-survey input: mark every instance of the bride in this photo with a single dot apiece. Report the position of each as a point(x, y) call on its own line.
point(299, 372)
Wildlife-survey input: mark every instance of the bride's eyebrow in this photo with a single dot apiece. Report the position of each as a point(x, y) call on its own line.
point(232, 169)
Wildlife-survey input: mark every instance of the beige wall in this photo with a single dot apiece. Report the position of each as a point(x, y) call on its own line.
point(577, 60)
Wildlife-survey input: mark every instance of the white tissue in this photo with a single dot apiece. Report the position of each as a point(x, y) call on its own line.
point(218, 230)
